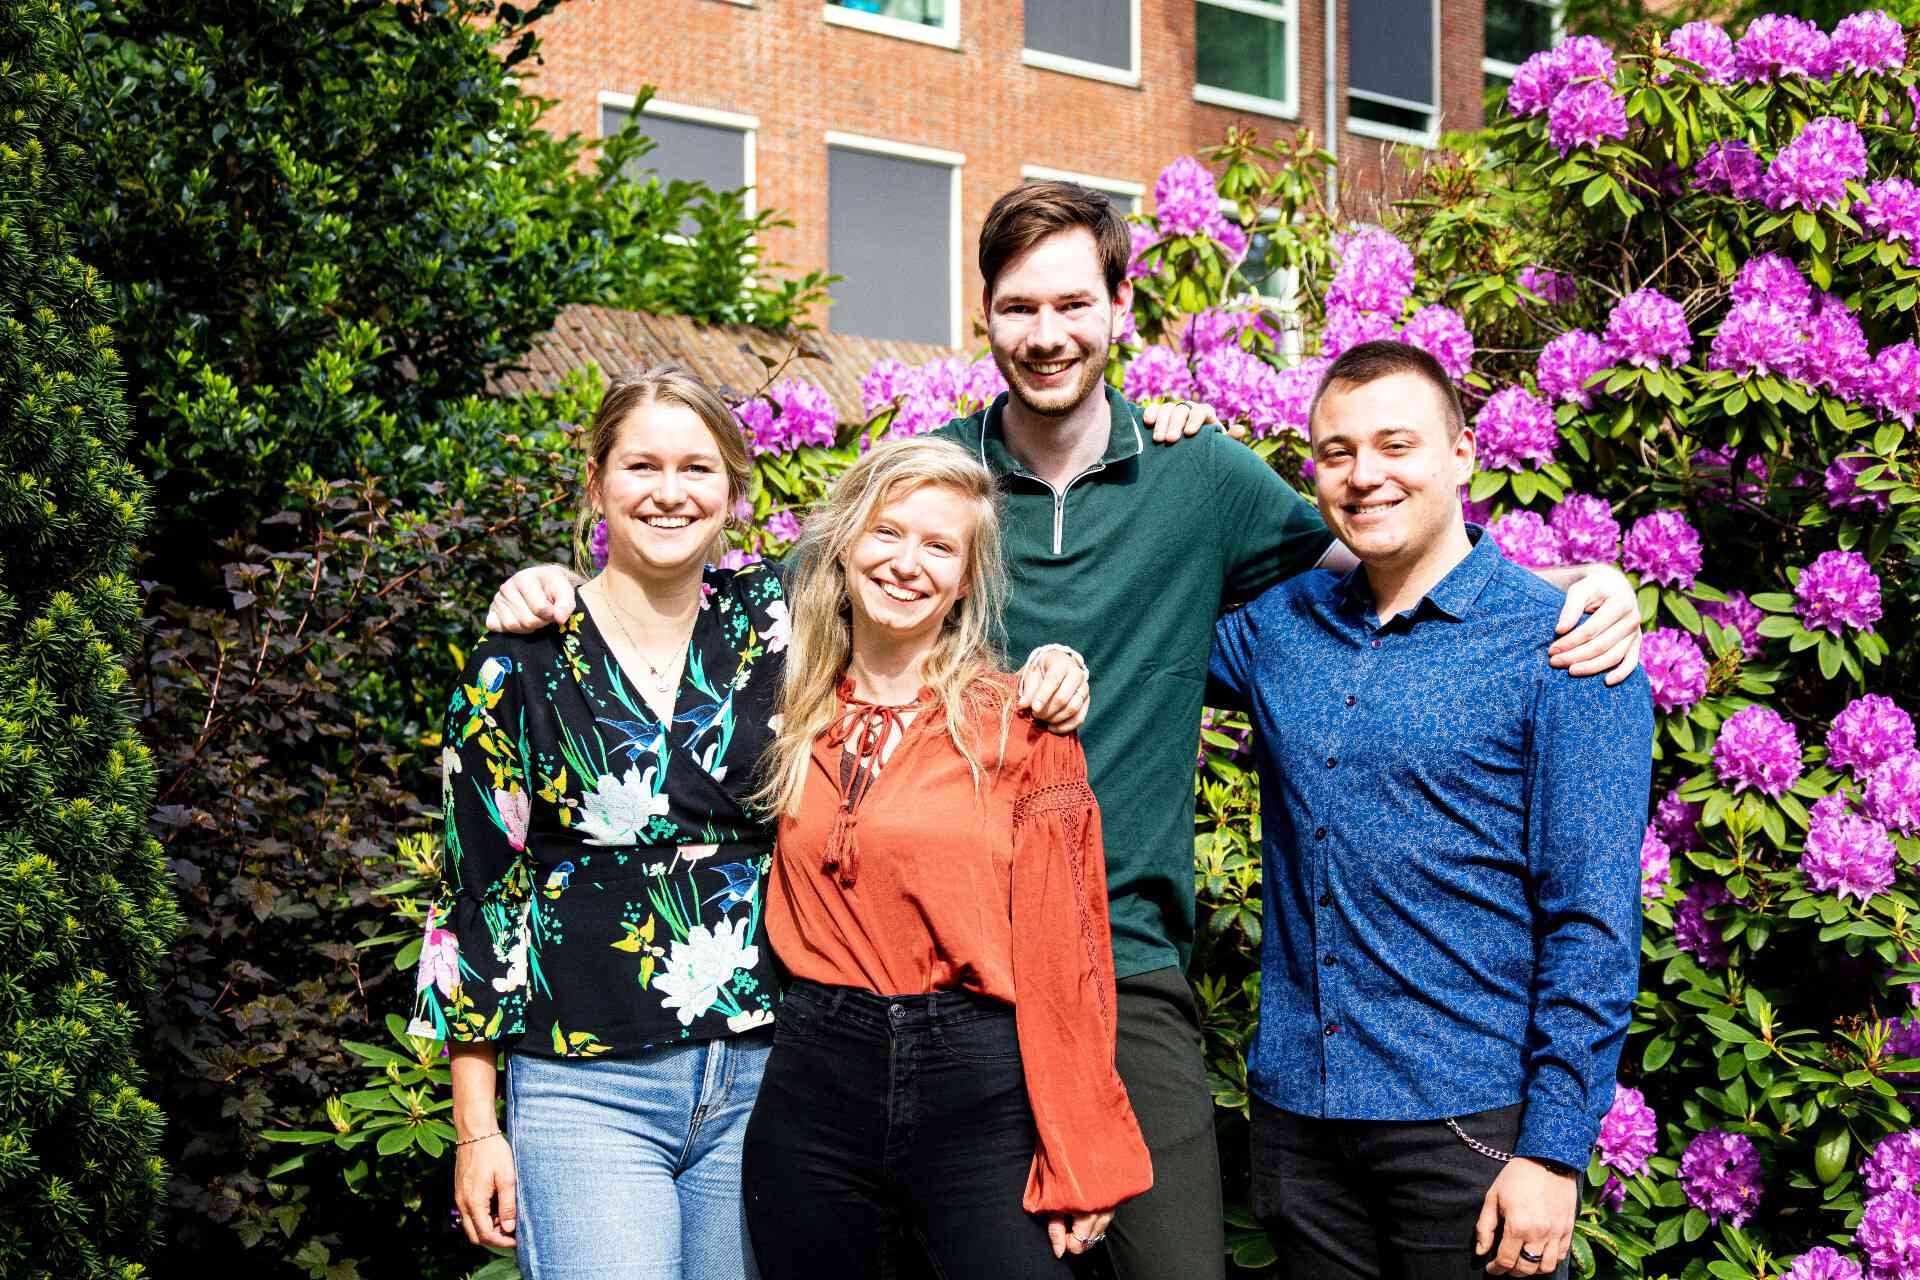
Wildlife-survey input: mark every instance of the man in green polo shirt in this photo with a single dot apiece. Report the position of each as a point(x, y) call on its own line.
point(1128, 554)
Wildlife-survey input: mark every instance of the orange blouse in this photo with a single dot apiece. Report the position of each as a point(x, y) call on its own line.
point(923, 885)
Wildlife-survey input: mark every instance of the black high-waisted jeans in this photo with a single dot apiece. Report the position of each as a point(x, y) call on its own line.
point(888, 1116)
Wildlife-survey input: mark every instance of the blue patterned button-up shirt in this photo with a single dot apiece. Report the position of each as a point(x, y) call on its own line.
point(1451, 837)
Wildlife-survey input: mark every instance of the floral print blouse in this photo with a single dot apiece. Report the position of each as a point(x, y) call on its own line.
point(603, 885)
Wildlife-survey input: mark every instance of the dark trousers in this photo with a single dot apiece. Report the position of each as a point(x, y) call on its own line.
point(1370, 1199)
point(882, 1116)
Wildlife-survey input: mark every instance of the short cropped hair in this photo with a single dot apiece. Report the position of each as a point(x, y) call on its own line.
point(1033, 211)
point(1382, 358)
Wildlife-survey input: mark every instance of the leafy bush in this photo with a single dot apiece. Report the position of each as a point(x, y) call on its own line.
point(84, 900)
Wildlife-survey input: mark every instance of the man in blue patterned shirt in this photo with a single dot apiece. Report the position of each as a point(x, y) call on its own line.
point(1452, 882)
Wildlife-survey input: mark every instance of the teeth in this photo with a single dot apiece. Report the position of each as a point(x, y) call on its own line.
point(1050, 368)
point(669, 522)
point(898, 593)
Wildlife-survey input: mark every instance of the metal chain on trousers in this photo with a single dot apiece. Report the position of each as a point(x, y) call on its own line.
point(1491, 1153)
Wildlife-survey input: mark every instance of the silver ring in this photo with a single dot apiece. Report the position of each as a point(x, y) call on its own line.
point(1535, 1258)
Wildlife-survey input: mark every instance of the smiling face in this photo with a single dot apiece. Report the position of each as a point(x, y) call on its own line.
point(1387, 476)
point(1050, 322)
point(908, 569)
point(663, 491)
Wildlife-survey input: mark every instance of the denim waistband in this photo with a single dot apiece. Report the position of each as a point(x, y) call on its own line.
point(868, 1009)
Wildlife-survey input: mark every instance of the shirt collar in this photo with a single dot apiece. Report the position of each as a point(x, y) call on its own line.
point(1452, 596)
point(1125, 439)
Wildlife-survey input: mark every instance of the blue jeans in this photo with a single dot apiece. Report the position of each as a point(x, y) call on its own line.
point(630, 1167)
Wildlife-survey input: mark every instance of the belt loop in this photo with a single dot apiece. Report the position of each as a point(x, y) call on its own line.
point(834, 1002)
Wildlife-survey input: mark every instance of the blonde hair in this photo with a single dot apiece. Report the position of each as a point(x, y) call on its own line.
point(820, 639)
point(661, 384)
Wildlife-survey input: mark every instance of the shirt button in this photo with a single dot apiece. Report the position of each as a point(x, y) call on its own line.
point(1351, 699)
point(1332, 761)
point(1332, 1029)
point(1319, 833)
point(1326, 899)
point(1330, 961)
point(1376, 644)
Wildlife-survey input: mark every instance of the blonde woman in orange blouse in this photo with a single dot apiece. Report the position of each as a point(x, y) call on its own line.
point(943, 1060)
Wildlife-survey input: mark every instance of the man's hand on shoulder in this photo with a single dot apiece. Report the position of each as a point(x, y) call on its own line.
point(534, 598)
point(1174, 420)
point(1529, 1207)
point(1609, 639)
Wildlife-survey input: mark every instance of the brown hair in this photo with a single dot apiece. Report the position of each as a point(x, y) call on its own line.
point(1033, 211)
point(1382, 358)
point(661, 384)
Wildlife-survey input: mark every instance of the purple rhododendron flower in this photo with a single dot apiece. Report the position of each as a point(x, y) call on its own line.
point(1846, 854)
point(1843, 487)
point(1241, 387)
point(1229, 235)
point(1375, 272)
point(1693, 931)
point(886, 382)
point(1184, 198)
point(1294, 394)
point(1656, 865)
point(1584, 115)
point(1675, 668)
point(1894, 1164)
point(1480, 513)
point(1144, 238)
point(1567, 362)
point(1515, 427)
point(1721, 1174)
point(1588, 532)
point(1526, 540)
point(1706, 44)
point(1730, 168)
point(1742, 615)
point(735, 558)
point(1813, 170)
point(791, 414)
point(1889, 1236)
point(1157, 373)
point(1838, 590)
point(1678, 820)
point(1758, 337)
point(1209, 330)
point(782, 525)
point(1628, 1132)
point(1347, 327)
point(1868, 42)
point(1613, 1193)
point(1662, 547)
point(1647, 328)
point(1777, 45)
point(1757, 748)
point(1771, 278)
point(1441, 333)
point(1550, 287)
point(1892, 208)
point(1892, 793)
point(1823, 1263)
point(1868, 732)
point(1542, 77)
point(1836, 357)
point(1896, 381)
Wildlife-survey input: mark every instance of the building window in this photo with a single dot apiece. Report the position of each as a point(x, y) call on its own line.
point(893, 238)
point(691, 144)
point(1393, 69)
point(1095, 38)
point(1124, 195)
point(1246, 55)
point(1516, 30)
point(928, 21)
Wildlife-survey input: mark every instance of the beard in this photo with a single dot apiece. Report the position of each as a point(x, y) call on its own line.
point(1057, 403)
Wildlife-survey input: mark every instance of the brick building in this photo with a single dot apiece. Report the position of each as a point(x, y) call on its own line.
point(885, 128)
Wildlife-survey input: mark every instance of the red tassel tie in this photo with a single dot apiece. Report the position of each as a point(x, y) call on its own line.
point(862, 731)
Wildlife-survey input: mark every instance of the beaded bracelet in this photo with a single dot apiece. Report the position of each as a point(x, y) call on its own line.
point(479, 1138)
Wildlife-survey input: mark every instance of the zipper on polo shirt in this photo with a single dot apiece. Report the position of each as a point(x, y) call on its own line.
point(1060, 499)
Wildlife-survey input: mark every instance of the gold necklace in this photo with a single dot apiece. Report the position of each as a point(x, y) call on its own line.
point(663, 684)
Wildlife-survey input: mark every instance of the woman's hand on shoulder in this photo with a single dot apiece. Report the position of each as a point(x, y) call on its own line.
point(1054, 688)
point(1076, 1232)
point(534, 598)
point(483, 1191)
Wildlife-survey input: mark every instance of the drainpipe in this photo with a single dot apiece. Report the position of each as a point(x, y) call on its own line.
point(1330, 44)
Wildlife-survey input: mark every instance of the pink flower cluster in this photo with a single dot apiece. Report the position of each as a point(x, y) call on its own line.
point(1812, 171)
point(1242, 387)
point(1515, 427)
point(1741, 614)
point(931, 395)
point(1868, 732)
point(1585, 115)
point(1441, 333)
point(1896, 381)
point(1892, 208)
point(1837, 358)
point(1757, 748)
point(1144, 238)
point(782, 525)
point(1567, 362)
point(1730, 168)
point(1157, 373)
point(1375, 272)
point(1526, 540)
point(792, 413)
point(1648, 329)
point(1678, 820)
point(1662, 547)
point(1588, 532)
point(1888, 1236)
point(1550, 287)
point(1892, 793)
point(1777, 45)
point(1570, 82)
point(1184, 198)
point(1758, 337)
point(1629, 1134)
point(1721, 1174)
point(1894, 1164)
point(1347, 327)
point(1838, 590)
point(1693, 931)
point(1707, 45)
point(1846, 854)
point(1656, 865)
point(1823, 1263)
point(1675, 668)
point(1869, 42)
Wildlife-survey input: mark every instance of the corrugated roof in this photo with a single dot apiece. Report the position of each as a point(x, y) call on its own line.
point(728, 358)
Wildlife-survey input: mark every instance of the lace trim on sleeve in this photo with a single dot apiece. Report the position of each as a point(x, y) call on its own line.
point(1075, 798)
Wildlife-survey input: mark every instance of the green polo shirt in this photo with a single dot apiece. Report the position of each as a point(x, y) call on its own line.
point(1131, 564)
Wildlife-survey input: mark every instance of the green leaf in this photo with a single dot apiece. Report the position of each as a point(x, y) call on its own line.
point(1682, 609)
point(1732, 1033)
point(1486, 484)
point(1526, 487)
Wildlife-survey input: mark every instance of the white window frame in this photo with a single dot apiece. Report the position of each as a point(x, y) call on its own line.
point(944, 36)
point(1508, 70)
point(954, 162)
point(1285, 11)
point(1129, 76)
point(1131, 192)
point(1428, 138)
point(748, 127)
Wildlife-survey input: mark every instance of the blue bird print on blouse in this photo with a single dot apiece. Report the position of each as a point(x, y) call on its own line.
point(741, 877)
